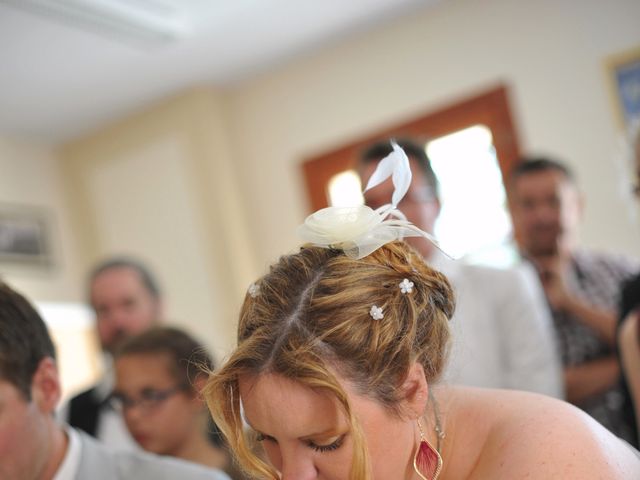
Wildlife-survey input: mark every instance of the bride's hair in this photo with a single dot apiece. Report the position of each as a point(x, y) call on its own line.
point(309, 319)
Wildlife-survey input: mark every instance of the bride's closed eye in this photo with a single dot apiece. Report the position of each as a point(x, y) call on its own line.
point(328, 447)
point(334, 444)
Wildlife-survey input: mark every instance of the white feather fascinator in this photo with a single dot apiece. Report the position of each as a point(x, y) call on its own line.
point(360, 230)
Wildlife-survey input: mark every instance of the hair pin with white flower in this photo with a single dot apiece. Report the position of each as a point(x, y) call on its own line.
point(406, 286)
point(376, 313)
point(254, 290)
point(360, 230)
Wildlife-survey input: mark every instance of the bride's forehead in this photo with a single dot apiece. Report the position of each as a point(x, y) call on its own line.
point(275, 391)
point(274, 385)
point(272, 402)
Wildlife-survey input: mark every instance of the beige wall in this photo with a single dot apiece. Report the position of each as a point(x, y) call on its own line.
point(160, 186)
point(30, 177)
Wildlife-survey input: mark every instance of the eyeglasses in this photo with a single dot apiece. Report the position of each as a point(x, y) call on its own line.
point(148, 400)
point(413, 196)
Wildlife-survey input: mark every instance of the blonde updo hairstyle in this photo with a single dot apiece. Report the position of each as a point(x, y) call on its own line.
point(311, 318)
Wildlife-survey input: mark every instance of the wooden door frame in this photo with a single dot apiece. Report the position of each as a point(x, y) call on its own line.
point(490, 108)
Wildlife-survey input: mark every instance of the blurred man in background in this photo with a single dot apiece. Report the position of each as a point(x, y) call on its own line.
point(503, 336)
point(582, 287)
point(126, 300)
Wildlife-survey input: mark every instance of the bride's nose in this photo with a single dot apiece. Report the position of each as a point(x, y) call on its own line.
point(297, 468)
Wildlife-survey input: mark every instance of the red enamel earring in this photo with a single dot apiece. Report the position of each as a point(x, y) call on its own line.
point(427, 462)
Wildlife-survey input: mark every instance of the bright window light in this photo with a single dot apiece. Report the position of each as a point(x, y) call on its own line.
point(345, 190)
point(474, 222)
point(72, 327)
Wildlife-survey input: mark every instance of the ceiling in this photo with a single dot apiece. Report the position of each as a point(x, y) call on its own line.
point(61, 78)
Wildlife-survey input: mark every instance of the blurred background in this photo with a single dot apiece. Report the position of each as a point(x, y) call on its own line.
point(197, 135)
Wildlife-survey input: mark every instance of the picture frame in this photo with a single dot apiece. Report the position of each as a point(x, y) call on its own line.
point(25, 236)
point(623, 70)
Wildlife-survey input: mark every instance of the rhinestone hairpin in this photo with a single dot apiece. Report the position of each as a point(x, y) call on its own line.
point(254, 290)
point(406, 286)
point(376, 313)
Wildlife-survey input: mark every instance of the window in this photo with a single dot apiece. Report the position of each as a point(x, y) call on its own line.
point(345, 190)
point(71, 326)
point(474, 221)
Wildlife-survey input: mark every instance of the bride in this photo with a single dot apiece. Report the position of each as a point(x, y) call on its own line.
point(339, 350)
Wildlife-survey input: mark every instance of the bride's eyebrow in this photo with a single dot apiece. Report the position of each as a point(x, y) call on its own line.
point(330, 432)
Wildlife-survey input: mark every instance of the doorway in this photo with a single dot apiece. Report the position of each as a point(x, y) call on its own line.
point(472, 145)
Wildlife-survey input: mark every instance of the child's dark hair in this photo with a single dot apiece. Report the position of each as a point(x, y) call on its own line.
point(188, 357)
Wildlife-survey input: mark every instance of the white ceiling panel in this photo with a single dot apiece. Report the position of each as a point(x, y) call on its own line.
point(61, 77)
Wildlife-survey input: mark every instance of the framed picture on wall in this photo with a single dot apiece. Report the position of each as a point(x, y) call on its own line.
point(624, 74)
point(24, 236)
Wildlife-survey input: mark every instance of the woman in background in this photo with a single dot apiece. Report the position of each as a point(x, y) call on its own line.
point(158, 378)
point(629, 327)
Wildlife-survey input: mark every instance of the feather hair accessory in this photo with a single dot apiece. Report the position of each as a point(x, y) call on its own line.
point(360, 230)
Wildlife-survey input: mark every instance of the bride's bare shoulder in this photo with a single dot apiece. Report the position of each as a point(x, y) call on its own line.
point(534, 436)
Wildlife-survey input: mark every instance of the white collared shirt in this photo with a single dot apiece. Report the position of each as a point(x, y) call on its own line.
point(110, 428)
point(502, 332)
point(71, 461)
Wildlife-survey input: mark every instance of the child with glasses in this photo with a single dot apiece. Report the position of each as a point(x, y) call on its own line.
point(158, 377)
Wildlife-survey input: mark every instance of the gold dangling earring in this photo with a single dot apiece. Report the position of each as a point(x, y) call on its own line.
point(427, 461)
